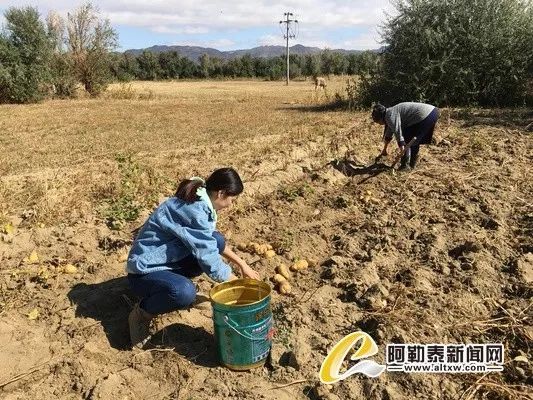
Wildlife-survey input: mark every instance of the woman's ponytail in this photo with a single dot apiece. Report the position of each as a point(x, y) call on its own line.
point(187, 190)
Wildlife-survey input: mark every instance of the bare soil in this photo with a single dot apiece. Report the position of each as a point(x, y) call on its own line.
point(442, 254)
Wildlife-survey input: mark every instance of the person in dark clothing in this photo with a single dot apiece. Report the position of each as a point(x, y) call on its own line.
point(405, 121)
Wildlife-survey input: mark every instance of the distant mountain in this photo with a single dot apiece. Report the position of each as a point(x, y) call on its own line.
point(194, 52)
point(273, 51)
point(191, 52)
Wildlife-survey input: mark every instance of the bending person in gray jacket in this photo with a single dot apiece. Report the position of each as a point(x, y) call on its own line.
point(405, 121)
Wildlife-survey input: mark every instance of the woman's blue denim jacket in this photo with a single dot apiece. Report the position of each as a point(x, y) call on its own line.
point(173, 231)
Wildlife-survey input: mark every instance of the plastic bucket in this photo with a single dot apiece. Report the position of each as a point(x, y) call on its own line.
point(243, 322)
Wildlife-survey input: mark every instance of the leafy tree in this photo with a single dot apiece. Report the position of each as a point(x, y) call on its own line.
point(313, 65)
point(246, 67)
point(149, 67)
point(205, 65)
point(25, 52)
point(188, 68)
point(339, 63)
point(169, 65)
point(456, 52)
point(261, 67)
point(277, 68)
point(90, 40)
point(128, 67)
point(63, 74)
point(327, 62)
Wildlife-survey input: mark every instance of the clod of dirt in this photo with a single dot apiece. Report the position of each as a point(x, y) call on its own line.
point(292, 360)
point(334, 266)
point(463, 249)
point(445, 270)
point(375, 297)
point(335, 261)
point(276, 353)
point(524, 268)
point(217, 387)
point(323, 392)
point(490, 223)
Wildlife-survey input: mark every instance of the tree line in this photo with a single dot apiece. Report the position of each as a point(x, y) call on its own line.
point(445, 52)
point(170, 65)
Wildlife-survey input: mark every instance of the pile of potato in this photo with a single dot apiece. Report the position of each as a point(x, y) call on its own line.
point(282, 279)
point(256, 248)
point(283, 273)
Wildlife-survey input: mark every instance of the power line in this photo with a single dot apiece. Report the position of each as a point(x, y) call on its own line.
point(289, 33)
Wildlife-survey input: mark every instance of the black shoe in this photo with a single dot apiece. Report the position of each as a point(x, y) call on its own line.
point(413, 161)
point(404, 164)
point(404, 167)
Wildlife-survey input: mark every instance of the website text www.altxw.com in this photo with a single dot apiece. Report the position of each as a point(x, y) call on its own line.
point(443, 368)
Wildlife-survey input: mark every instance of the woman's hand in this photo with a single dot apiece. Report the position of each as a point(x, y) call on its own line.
point(249, 272)
point(246, 271)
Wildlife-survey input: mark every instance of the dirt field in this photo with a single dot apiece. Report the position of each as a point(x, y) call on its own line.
point(439, 255)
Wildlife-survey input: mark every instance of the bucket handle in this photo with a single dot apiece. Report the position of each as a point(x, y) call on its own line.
point(227, 320)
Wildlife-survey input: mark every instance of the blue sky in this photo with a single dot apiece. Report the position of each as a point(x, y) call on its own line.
point(231, 25)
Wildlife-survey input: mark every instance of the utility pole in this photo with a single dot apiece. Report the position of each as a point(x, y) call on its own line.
point(288, 33)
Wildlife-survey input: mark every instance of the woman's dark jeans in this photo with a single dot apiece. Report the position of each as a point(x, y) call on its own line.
point(170, 290)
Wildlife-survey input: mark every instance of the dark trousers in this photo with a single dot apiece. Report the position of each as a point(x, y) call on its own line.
point(411, 155)
point(170, 290)
point(424, 134)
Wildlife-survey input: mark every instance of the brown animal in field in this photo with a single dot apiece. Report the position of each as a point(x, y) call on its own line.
point(320, 82)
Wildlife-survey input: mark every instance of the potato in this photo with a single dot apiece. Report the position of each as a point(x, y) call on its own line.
point(270, 253)
point(283, 270)
point(259, 249)
point(299, 265)
point(278, 278)
point(70, 269)
point(285, 287)
point(269, 246)
point(242, 246)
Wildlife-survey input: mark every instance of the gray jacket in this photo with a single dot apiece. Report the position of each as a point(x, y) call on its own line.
point(403, 115)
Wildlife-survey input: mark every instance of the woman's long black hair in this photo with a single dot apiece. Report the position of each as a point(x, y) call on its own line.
point(225, 179)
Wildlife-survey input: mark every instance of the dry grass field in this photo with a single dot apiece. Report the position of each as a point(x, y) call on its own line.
point(439, 255)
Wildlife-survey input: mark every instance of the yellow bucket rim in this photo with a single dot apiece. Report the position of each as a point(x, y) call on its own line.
point(247, 282)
